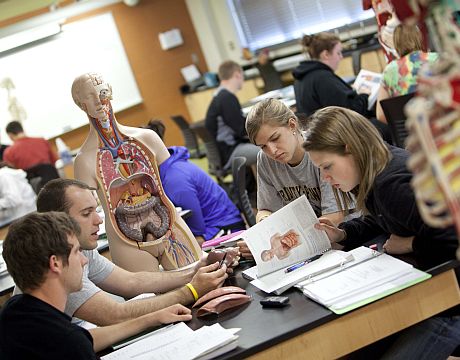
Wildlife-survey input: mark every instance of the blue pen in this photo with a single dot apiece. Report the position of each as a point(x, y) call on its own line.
point(302, 263)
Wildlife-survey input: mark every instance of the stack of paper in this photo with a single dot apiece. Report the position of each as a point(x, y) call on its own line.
point(371, 276)
point(180, 342)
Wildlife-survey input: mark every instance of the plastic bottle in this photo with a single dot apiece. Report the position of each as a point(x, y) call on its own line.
point(64, 152)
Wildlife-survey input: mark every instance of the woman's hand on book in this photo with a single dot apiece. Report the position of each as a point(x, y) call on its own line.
point(244, 250)
point(398, 245)
point(334, 234)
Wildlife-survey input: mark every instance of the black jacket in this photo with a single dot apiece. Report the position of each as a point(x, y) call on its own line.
point(393, 210)
point(316, 86)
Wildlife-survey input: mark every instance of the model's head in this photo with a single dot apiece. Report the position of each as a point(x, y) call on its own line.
point(38, 244)
point(407, 38)
point(266, 255)
point(347, 149)
point(90, 93)
point(274, 127)
point(75, 198)
point(324, 47)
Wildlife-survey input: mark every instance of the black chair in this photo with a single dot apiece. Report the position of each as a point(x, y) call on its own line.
point(45, 172)
point(191, 142)
point(216, 166)
point(393, 109)
point(241, 194)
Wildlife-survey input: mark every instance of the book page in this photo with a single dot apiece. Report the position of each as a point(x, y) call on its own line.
point(286, 237)
point(368, 82)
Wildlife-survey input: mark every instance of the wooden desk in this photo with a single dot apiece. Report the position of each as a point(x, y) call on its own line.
point(307, 330)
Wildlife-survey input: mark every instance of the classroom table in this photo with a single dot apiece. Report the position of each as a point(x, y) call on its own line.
point(307, 330)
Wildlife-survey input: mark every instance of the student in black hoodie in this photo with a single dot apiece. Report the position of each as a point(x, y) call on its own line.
point(353, 158)
point(316, 85)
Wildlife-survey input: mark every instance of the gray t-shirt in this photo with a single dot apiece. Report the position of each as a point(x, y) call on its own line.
point(96, 271)
point(278, 184)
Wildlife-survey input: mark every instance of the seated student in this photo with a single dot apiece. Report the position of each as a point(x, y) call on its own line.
point(353, 158)
point(43, 256)
point(189, 187)
point(17, 197)
point(284, 171)
point(95, 305)
point(400, 75)
point(316, 84)
point(225, 120)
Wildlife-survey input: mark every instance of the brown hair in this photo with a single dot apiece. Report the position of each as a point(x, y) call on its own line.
point(406, 39)
point(52, 197)
point(227, 69)
point(342, 131)
point(14, 127)
point(269, 111)
point(31, 241)
point(315, 44)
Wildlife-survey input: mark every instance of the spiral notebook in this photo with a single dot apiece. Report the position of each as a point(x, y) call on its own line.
point(288, 249)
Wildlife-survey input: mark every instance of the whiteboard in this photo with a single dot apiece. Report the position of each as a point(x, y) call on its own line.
point(43, 76)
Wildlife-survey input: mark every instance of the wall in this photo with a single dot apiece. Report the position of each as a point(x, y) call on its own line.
point(157, 72)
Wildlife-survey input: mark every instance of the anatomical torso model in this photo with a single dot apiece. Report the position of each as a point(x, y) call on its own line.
point(122, 164)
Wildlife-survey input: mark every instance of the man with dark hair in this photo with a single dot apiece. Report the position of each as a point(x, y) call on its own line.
point(43, 256)
point(26, 152)
point(95, 305)
point(225, 120)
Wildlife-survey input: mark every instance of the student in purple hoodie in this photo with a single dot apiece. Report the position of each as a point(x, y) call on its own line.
point(189, 187)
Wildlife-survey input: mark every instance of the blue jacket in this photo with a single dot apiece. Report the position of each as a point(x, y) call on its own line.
point(189, 187)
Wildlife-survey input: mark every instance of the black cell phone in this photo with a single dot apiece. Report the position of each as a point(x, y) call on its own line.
point(275, 301)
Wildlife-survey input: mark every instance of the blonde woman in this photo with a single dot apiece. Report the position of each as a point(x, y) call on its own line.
point(284, 170)
point(353, 159)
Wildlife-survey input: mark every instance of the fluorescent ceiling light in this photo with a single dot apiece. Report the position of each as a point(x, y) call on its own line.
point(30, 35)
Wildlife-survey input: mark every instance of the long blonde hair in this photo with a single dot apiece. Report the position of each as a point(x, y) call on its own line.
point(342, 131)
point(269, 111)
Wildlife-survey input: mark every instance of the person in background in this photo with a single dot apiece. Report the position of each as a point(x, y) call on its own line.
point(26, 152)
point(17, 197)
point(43, 256)
point(189, 187)
point(284, 170)
point(92, 303)
point(271, 77)
point(400, 75)
point(316, 84)
point(353, 159)
point(225, 120)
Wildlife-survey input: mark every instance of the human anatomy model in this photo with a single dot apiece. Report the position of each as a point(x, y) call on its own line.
point(434, 116)
point(122, 164)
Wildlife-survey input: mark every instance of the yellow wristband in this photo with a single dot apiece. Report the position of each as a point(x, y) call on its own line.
point(193, 291)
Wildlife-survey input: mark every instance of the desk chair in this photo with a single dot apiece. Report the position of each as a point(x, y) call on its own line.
point(271, 77)
point(45, 172)
point(393, 109)
point(216, 167)
point(241, 194)
point(191, 142)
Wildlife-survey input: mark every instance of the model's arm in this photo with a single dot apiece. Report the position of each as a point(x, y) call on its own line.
point(383, 94)
point(187, 199)
point(105, 336)
point(101, 309)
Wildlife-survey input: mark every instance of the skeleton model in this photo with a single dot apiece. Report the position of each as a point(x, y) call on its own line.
point(434, 116)
point(121, 162)
point(15, 109)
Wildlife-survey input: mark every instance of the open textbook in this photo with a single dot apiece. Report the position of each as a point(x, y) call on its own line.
point(178, 341)
point(370, 276)
point(368, 82)
point(288, 249)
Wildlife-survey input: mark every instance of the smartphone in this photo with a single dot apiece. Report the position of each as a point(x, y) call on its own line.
point(274, 301)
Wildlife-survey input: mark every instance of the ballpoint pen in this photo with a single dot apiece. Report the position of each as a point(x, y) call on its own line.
point(302, 263)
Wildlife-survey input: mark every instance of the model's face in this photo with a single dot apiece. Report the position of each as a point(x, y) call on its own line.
point(280, 143)
point(338, 170)
point(333, 58)
point(73, 272)
point(83, 211)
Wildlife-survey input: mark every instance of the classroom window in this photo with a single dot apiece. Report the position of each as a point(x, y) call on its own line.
point(263, 23)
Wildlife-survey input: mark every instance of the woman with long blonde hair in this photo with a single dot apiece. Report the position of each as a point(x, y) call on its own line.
point(353, 159)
